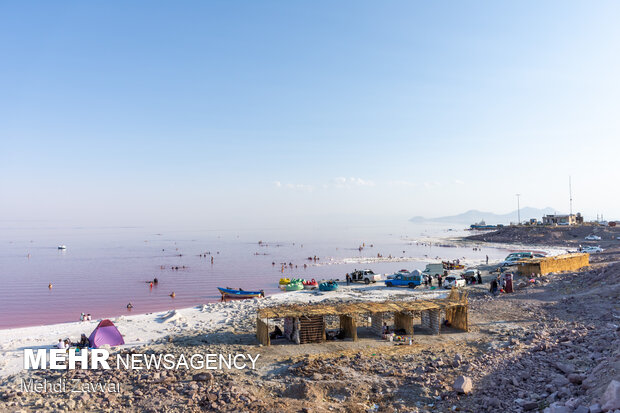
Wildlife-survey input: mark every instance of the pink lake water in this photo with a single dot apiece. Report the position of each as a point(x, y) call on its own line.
point(103, 269)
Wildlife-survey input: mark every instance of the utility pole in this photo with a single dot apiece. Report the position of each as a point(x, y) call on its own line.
point(518, 210)
point(570, 195)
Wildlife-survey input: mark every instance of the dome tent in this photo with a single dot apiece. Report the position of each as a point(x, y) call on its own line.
point(105, 333)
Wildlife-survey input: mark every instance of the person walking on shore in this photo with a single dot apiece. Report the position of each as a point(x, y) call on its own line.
point(479, 278)
point(487, 260)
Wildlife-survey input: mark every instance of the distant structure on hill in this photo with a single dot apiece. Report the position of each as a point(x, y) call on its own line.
point(489, 217)
point(563, 219)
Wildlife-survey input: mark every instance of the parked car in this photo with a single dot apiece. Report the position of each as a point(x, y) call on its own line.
point(411, 280)
point(510, 261)
point(469, 274)
point(434, 270)
point(591, 250)
point(453, 281)
point(525, 255)
point(593, 238)
point(400, 272)
point(365, 276)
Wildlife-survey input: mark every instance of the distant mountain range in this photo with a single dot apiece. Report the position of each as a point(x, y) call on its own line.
point(473, 216)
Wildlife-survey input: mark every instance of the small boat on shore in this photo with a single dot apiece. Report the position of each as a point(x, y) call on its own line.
point(294, 286)
point(328, 286)
point(239, 293)
point(310, 284)
point(283, 283)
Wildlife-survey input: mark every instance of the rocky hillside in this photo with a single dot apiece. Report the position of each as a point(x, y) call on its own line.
point(558, 236)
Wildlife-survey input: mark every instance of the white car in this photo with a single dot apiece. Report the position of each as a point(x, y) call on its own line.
point(510, 261)
point(365, 276)
point(593, 238)
point(591, 250)
point(452, 281)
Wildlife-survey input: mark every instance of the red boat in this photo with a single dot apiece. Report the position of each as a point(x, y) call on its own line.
point(310, 284)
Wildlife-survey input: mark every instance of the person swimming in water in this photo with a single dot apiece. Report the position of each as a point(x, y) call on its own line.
point(49, 286)
point(172, 294)
point(129, 306)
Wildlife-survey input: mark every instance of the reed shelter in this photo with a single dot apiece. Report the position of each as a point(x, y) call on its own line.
point(557, 263)
point(306, 322)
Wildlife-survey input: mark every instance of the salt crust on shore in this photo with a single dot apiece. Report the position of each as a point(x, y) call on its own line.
point(141, 329)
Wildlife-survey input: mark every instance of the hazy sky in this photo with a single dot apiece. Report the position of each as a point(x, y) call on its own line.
point(219, 112)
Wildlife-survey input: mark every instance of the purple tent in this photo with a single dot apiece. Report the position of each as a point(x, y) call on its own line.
point(106, 333)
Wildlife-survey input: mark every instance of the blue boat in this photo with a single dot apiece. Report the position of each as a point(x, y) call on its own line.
point(239, 293)
point(328, 286)
point(482, 226)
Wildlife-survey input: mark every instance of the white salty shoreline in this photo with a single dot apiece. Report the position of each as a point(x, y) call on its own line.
point(141, 329)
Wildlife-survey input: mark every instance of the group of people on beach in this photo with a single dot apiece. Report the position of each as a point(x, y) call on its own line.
point(502, 283)
point(85, 317)
point(66, 344)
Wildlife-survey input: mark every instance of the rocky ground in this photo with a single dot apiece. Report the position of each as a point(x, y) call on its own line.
point(569, 237)
point(551, 346)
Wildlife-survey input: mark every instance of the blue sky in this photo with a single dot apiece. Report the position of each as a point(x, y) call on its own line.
point(244, 112)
